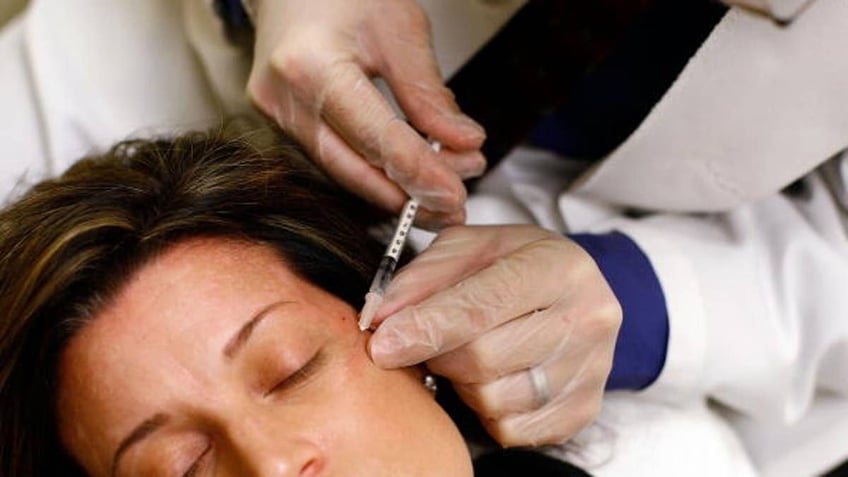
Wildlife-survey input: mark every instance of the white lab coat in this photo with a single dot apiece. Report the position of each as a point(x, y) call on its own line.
point(755, 380)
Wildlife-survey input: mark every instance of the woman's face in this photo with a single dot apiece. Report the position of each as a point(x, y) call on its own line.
point(216, 360)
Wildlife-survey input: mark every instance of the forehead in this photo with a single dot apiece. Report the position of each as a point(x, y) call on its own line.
point(199, 277)
point(170, 320)
point(208, 281)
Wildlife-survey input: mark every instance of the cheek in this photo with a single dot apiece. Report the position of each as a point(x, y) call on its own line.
point(391, 407)
point(374, 419)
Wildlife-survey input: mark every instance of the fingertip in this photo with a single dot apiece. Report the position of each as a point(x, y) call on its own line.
point(436, 221)
point(433, 110)
point(455, 130)
point(469, 131)
point(469, 165)
point(496, 429)
point(383, 348)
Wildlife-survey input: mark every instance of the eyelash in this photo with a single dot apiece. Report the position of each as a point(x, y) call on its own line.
point(301, 375)
point(196, 466)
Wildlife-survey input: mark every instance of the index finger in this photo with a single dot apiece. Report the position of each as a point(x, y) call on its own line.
point(509, 288)
point(357, 111)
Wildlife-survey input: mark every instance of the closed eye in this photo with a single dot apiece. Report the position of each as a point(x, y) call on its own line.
point(301, 375)
point(193, 471)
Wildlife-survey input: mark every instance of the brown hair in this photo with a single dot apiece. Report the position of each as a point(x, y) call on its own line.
point(68, 245)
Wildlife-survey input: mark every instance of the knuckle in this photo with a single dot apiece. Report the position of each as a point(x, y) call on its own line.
point(557, 255)
point(482, 362)
point(583, 265)
point(302, 66)
point(606, 321)
point(503, 433)
point(261, 92)
point(418, 17)
point(413, 17)
point(293, 66)
point(591, 410)
point(470, 395)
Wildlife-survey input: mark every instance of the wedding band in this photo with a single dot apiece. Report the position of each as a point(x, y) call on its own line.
point(540, 386)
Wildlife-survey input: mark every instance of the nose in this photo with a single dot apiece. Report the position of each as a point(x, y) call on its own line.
point(265, 450)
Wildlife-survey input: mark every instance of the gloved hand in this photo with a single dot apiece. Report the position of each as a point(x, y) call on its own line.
point(312, 70)
point(505, 312)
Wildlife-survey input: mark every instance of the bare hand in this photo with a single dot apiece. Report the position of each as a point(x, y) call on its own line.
point(485, 306)
point(312, 70)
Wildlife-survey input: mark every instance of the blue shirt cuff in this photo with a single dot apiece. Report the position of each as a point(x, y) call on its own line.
point(643, 337)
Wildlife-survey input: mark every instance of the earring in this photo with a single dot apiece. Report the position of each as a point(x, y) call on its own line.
point(430, 384)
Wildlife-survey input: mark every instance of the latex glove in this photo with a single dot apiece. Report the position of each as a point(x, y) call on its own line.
point(312, 70)
point(485, 305)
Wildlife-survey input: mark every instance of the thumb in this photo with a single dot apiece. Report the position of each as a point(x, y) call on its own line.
point(455, 316)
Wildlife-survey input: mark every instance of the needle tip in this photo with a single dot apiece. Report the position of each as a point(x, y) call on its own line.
point(372, 302)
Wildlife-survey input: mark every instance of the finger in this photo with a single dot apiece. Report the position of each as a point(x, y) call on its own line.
point(455, 316)
point(346, 166)
point(456, 254)
point(514, 346)
point(515, 393)
point(554, 423)
point(466, 165)
point(352, 172)
point(435, 221)
point(408, 64)
point(355, 109)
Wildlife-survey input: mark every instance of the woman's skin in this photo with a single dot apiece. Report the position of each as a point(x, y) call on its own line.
point(217, 391)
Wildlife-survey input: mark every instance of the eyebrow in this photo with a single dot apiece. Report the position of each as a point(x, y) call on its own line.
point(147, 427)
point(155, 422)
point(239, 339)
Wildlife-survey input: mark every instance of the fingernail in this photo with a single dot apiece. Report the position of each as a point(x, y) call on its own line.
point(471, 166)
point(384, 345)
point(471, 125)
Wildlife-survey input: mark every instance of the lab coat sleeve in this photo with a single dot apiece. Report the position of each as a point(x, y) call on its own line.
point(757, 299)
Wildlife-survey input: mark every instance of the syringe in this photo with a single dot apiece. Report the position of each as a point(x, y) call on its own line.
point(386, 269)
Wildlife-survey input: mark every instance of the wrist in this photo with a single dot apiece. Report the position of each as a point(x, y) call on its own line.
point(640, 350)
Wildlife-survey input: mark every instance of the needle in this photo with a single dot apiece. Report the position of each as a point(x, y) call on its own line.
point(386, 269)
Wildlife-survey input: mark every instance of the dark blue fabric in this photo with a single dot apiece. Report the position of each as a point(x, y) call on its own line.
point(232, 13)
point(643, 338)
point(610, 101)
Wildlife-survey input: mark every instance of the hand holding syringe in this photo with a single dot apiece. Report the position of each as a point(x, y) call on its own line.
point(386, 269)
